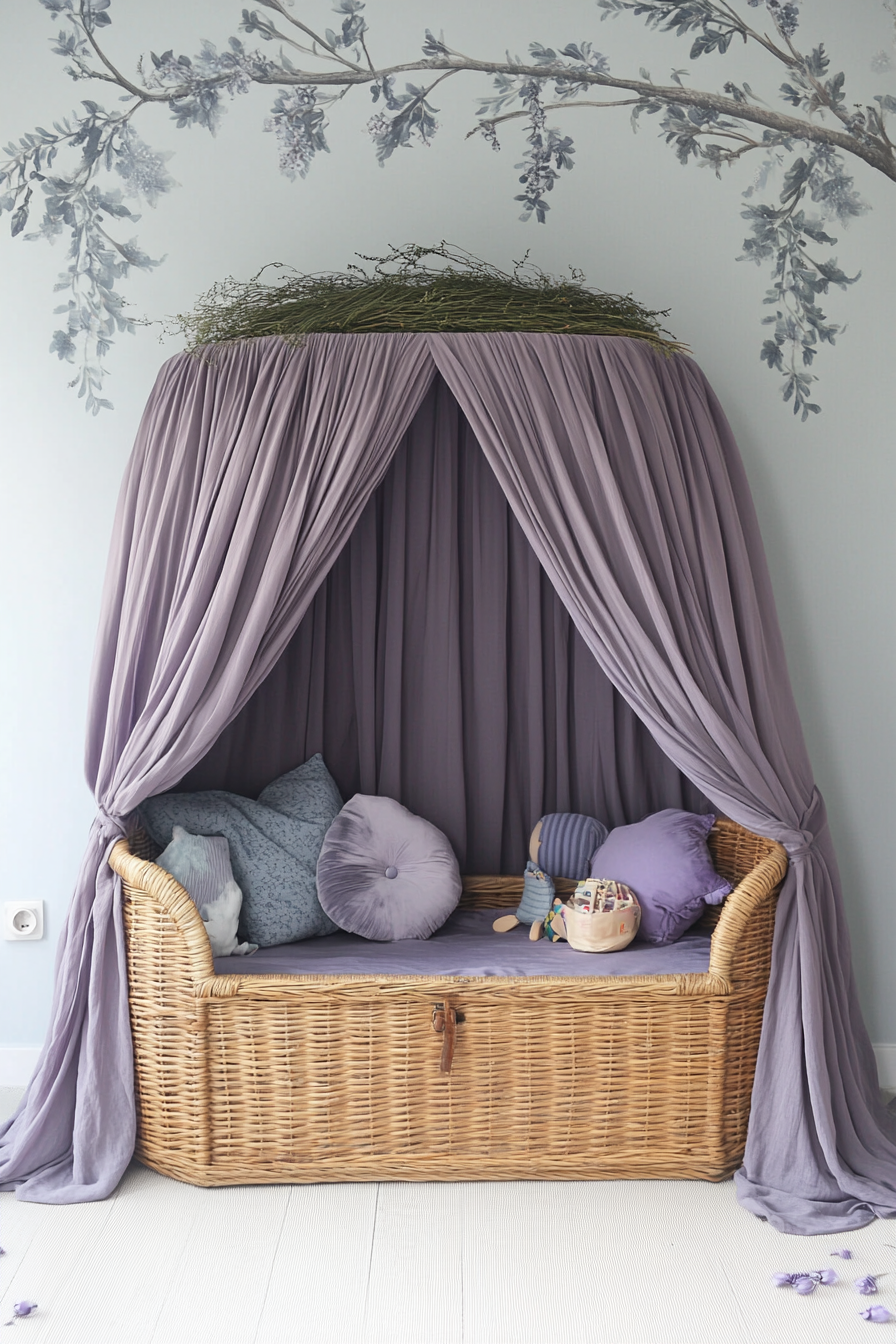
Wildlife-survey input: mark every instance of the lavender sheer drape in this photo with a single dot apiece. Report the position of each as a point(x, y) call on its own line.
point(623, 474)
point(249, 472)
point(437, 665)
point(249, 475)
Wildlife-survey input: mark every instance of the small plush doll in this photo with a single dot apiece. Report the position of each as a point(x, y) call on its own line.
point(533, 909)
point(563, 842)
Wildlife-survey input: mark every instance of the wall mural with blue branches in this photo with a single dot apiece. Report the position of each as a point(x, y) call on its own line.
point(79, 179)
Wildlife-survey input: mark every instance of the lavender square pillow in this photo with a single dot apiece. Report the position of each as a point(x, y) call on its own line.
point(384, 873)
point(666, 862)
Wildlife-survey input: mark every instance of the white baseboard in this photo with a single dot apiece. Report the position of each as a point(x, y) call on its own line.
point(17, 1063)
point(886, 1065)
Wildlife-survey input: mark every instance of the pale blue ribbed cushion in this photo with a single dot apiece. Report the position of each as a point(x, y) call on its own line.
point(200, 863)
point(274, 845)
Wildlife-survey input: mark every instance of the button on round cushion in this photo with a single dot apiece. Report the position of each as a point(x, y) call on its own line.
point(386, 874)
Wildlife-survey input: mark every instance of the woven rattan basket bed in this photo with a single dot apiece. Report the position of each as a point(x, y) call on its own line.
point(269, 1078)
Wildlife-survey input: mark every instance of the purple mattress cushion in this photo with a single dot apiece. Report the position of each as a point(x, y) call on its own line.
point(666, 862)
point(384, 873)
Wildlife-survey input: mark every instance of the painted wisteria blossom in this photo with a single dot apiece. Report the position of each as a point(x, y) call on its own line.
point(79, 178)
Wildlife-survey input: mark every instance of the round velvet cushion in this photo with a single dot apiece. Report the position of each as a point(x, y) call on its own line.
point(384, 873)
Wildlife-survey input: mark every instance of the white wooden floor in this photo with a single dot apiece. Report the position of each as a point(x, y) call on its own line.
point(627, 1262)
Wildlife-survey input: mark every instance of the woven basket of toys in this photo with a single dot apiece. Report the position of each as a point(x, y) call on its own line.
point(603, 916)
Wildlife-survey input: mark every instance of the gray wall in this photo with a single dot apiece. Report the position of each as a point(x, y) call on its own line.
point(629, 215)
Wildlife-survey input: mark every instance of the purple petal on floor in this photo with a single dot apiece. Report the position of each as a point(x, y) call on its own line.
point(866, 1286)
point(879, 1314)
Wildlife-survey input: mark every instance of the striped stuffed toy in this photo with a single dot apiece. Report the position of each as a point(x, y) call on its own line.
point(561, 845)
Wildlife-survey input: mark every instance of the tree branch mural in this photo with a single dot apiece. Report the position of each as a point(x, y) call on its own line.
point(811, 145)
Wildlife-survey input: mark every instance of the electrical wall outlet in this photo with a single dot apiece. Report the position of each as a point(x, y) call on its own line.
point(23, 920)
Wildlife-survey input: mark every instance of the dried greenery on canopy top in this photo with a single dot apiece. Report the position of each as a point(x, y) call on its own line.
point(404, 293)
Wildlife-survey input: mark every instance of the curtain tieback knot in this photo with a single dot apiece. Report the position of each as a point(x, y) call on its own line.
point(111, 824)
point(813, 822)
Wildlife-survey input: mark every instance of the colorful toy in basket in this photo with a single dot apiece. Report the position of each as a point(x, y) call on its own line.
point(538, 897)
point(603, 916)
point(555, 923)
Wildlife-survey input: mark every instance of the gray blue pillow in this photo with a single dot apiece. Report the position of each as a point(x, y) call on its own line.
point(386, 874)
point(274, 846)
point(666, 862)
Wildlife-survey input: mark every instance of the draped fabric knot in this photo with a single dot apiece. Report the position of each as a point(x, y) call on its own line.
point(799, 843)
point(111, 823)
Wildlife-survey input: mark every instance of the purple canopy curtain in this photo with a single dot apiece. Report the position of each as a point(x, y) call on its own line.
point(249, 473)
point(438, 666)
point(623, 474)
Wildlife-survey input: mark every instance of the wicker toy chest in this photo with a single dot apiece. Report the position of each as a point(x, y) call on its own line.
point(273, 1078)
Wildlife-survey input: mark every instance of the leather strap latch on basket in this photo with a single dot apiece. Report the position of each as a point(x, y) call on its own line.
point(445, 1019)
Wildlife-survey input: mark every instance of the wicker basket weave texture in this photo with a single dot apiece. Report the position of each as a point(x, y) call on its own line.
point(320, 1078)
